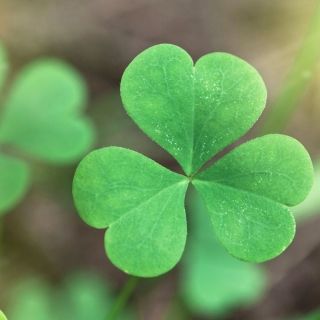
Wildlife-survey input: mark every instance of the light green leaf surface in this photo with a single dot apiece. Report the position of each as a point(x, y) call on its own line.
point(212, 281)
point(252, 228)
point(192, 111)
point(2, 316)
point(14, 181)
point(246, 190)
point(140, 201)
point(3, 64)
point(43, 113)
point(275, 166)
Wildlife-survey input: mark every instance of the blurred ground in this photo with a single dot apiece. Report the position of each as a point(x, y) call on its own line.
point(100, 37)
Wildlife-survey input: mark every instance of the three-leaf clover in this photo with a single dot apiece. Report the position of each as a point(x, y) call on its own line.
point(193, 111)
point(42, 118)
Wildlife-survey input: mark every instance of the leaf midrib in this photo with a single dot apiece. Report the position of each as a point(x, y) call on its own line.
point(190, 171)
point(184, 181)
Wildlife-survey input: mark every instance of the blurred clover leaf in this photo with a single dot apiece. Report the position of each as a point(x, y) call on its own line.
point(31, 299)
point(210, 276)
point(193, 112)
point(42, 117)
point(2, 316)
point(81, 296)
point(311, 205)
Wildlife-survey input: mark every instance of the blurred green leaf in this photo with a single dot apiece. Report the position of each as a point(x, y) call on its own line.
point(2, 316)
point(298, 79)
point(212, 281)
point(84, 296)
point(247, 193)
point(15, 178)
point(43, 113)
point(81, 296)
point(42, 116)
point(311, 205)
point(3, 64)
point(32, 300)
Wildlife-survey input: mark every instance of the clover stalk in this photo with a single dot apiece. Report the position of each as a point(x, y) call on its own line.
point(122, 298)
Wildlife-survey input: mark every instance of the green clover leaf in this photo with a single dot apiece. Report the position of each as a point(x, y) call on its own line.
point(248, 191)
point(42, 117)
point(128, 185)
point(193, 111)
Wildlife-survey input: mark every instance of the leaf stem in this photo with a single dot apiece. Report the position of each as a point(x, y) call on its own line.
point(298, 78)
point(122, 298)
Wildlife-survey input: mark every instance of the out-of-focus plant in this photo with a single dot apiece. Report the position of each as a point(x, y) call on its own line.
point(311, 205)
point(82, 296)
point(42, 118)
point(31, 299)
point(298, 78)
point(2, 316)
point(193, 111)
point(315, 315)
point(213, 282)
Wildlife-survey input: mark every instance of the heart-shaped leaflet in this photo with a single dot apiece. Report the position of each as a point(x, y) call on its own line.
point(43, 113)
point(192, 111)
point(42, 117)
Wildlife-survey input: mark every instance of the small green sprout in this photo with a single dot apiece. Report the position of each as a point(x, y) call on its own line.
point(193, 111)
point(41, 117)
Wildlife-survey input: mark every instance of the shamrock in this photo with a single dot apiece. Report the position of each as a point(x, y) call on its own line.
point(42, 118)
point(193, 112)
